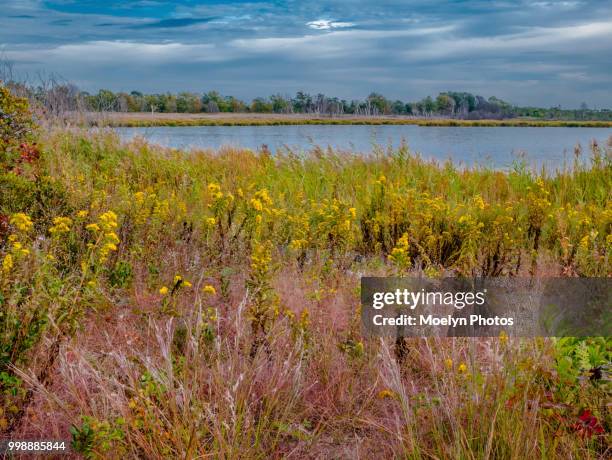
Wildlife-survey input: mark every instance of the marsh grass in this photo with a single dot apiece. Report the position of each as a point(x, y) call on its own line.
point(222, 318)
point(239, 119)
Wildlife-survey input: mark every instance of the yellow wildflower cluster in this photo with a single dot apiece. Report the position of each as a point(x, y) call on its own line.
point(261, 257)
point(179, 281)
point(21, 221)
point(400, 255)
point(7, 263)
point(60, 226)
point(105, 234)
point(261, 203)
point(215, 191)
point(17, 251)
point(331, 221)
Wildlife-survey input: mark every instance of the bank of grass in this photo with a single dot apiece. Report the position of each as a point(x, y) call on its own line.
point(206, 304)
point(169, 120)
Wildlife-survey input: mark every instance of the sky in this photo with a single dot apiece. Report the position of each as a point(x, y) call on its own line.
point(528, 52)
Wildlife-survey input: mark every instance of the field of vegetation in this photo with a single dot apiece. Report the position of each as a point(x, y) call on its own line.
point(159, 304)
point(143, 119)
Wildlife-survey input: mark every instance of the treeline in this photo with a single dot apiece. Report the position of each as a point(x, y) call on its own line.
point(448, 104)
point(60, 98)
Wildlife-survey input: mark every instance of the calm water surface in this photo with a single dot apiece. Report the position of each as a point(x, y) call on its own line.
point(497, 147)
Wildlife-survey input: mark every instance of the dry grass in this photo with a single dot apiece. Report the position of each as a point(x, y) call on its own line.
point(256, 351)
point(262, 119)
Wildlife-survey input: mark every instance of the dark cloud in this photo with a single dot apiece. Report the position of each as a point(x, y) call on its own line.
point(527, 51)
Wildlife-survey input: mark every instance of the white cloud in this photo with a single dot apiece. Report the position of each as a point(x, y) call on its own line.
point(326, 24)
point(334, 43)
point(537, 39)
point(117, 52)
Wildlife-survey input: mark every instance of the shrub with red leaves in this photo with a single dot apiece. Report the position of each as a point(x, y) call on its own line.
point(4, 225)
point(588, 425)
point(29, 153)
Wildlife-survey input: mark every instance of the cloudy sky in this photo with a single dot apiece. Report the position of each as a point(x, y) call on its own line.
point(525, 51)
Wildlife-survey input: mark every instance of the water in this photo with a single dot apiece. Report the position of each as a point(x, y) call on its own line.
point(496, 147)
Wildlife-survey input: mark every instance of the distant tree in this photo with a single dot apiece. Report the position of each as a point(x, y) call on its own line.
point(379, 104)
point(445, 104)
point(280, 104)
point(261, 105)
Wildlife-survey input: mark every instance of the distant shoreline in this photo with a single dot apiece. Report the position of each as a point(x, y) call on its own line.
point(136, 119)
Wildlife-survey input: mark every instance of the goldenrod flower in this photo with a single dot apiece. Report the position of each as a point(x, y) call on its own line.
point(21, 221)
point(82, 213)
point(112, 237)
point(92, 227)
point(386, 394)
point(7, 263)
point(256, 204)
point(479, 202)
point(61, 225)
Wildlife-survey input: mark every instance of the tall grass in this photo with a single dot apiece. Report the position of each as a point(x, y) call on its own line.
point(213, 303)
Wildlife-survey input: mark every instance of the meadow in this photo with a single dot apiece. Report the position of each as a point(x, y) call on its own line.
point(135, 120)
point(162, 304)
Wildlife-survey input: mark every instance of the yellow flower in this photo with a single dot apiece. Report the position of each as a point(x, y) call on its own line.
point(210, 221)
point(256, 204)
point(214, 188)
point(82, 213)
point(208, 289)
point(503, 337)
point(92, 228)
point(7, 263)
point(479, 202)
point(448, 363)
point(21, 221)
point(112, 237)
point(61, 225)
point(139, 197)
point(187, 284)
point(258, 218)
point(177, 279)
point(462, 369)
point(163, 290)
point(386, 394)
point(108, 221)
point(584, 242)
point(353, 212)
point(264, 197)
